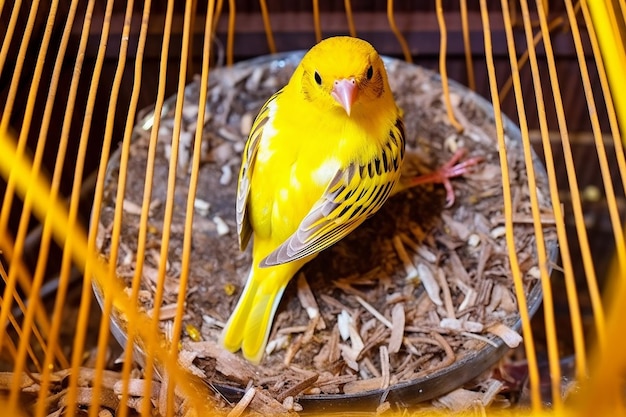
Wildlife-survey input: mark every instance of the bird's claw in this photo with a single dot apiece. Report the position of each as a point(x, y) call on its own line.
point(451, 169)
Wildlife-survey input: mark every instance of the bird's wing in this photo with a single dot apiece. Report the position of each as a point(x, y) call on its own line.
point(354, 194)
point(244, 229)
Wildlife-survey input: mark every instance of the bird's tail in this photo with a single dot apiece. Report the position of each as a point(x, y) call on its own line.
point(249, 325)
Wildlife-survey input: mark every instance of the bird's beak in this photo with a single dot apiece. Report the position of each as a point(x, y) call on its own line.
point(344, 91)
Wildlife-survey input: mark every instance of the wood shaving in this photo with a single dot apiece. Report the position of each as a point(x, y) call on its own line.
point(383, 408)
point(508, 335)
point(245, 401)
point(307, 299)
point(166, 312)
point(397, 328)
point(136, 387)
point(430, 283)
point(459, 400)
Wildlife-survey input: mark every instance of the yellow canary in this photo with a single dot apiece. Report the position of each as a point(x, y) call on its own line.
point(323, 154)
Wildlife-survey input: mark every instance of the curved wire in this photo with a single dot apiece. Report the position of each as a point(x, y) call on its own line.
point(269, 34)
point(394, 28)
point(467, 46)
point(34, 309)
point(190, 208)
point(347, 4)
point(316, 21)
point(549, 318)
point(529, 346)
point(443, 71)
point(230, 39)
point(198, 395)
point(8, 36)
point(613, 53)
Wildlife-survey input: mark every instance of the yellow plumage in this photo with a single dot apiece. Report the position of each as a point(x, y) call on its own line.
point(323, 155)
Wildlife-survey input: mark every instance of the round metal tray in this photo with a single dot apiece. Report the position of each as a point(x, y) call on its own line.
point(405, 393)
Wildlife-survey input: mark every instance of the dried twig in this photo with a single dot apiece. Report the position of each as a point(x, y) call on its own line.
point(479, 337)
point(298, 388)
point(447, 297)
point(374, 312)
point(485, 253)
point(367, 362)
point(245, 401)
point(384, 367)
point(163, 397)
point(409, 268)
point(546, 219)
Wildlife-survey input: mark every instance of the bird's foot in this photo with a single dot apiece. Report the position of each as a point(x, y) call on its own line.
point(451, 169)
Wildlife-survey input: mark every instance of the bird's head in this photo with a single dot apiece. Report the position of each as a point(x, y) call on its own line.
point(344, 73)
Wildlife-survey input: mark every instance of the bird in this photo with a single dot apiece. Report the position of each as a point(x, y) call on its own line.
point(324, 154)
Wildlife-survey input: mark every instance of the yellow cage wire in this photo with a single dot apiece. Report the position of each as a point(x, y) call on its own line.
point(600, 367)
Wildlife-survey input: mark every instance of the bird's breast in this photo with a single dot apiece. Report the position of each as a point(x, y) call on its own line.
point(322, 175)
point(285, 184)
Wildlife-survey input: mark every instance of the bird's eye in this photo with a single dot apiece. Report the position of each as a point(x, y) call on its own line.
point(370, 73)
point(318, 79)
